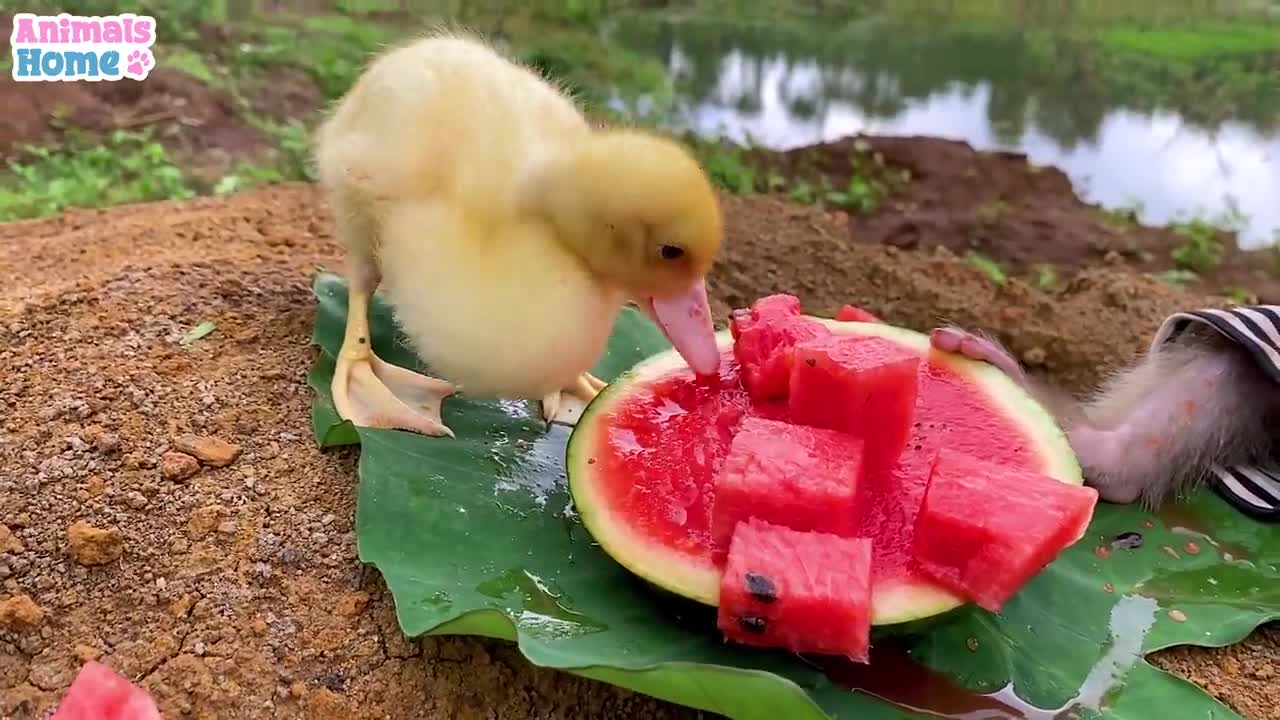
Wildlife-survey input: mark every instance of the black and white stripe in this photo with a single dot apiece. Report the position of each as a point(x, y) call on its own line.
point(1253, 490)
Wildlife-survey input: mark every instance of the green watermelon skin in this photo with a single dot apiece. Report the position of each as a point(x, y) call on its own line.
point(807, 592)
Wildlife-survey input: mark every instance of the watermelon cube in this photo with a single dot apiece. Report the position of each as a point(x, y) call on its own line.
point(806, 592)
point(100, 693)
point(864, 386)
point(763, 338)
point(852, 313)
point(984, 531)
point(804, 478)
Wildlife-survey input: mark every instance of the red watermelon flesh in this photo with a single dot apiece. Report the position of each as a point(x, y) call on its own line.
point(852, 313)
point(763, 338)
point(100, 693)
point(803, 477)
point(864, 386)
point(988, 556)
point(802, 591)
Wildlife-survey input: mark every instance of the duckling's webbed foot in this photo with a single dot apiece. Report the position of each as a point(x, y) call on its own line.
point(370, 392)
point(565, 407)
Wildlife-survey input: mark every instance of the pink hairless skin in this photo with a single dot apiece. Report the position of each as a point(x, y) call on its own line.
point(685, 318)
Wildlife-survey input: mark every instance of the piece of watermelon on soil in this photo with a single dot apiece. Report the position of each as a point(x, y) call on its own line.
point(100, 693)
point(763, 338)
point(806, 592)
point(852, 313)
point(864, 386)
point(804, 478)
point(984, 531)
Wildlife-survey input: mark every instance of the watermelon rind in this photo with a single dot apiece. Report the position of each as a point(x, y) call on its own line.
point(892, 604)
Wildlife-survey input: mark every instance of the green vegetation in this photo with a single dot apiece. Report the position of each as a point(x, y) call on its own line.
point(1241, 295)
point(992, 269)
point(989, 212)
point(1122, 219)
point(1201, 249)
point(1044, 277)
point(1179, 277)
point(126, 167)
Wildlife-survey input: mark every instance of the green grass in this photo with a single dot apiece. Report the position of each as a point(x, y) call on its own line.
point(332, 49)
point(124, 168)
point(186, 60)
point(726, 164)
point(1201, 250)
point(1194, 43)
point(1179, 277)
point(1044, 277)
point(1123, 218)
point(989, 267)
point(989, 212)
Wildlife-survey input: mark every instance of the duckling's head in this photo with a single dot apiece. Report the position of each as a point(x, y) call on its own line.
point(641, 213)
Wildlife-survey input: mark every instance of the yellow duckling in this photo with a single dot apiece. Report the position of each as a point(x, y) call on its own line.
point(506, 233)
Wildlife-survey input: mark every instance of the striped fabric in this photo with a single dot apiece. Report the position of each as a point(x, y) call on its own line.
point(1253, 490)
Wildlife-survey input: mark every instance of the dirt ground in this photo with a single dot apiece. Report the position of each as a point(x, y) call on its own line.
point(230, 588)
point(1001, 206)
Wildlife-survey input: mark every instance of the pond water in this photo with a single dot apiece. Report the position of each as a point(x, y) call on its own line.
point(1172, 123)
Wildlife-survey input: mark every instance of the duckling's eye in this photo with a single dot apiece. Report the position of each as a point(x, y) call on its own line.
point(671, 252)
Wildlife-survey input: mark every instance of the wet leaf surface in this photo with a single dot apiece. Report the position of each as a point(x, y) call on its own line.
point(476, 535)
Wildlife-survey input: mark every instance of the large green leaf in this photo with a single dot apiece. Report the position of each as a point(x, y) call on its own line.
point(476, 535)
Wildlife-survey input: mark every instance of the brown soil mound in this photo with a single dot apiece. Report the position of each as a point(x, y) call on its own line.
point(999, 205)
point(234, 591)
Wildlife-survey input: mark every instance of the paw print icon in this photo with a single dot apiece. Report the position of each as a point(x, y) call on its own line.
point(138, 64)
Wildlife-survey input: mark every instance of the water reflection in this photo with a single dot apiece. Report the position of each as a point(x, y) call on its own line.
point(1125, 140)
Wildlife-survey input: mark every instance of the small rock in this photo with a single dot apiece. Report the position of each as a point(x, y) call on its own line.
point(198, 648)
point(136, 500)
point(228, 527)
point(87, 653)
point(20, 611)
point(9, 543)
point(161, 583)
point(210, 451)
point(1035, 357)
point(204, 520)
point(352, 603)
point(177, 466)
point(297, 689)
point(107, 443)
point(95, 486)
point(94, 546)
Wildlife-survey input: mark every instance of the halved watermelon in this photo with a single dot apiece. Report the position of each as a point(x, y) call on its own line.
point(644, 456)
point(100, 693)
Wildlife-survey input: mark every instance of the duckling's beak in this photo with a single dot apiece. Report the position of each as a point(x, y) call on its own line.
point(685, 318)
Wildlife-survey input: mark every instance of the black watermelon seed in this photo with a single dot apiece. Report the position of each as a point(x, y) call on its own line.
point(1128, 540)
point(753, 624)
point(811, 362)
point(761, 588)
